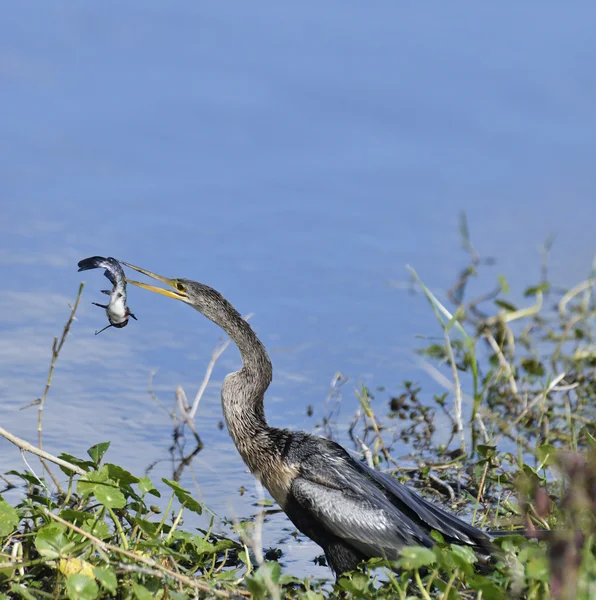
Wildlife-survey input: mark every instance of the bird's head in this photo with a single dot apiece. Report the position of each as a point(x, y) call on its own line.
point(181, 289)
point(201, 297)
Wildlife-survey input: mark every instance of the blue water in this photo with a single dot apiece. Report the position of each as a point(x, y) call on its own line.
point(294, 157)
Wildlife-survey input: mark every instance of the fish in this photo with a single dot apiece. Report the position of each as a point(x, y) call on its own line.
point(117, 311)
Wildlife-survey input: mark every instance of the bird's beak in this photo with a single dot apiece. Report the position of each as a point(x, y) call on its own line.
point(153, 288)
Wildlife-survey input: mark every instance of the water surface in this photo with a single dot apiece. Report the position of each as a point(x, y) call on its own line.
point(296, 159)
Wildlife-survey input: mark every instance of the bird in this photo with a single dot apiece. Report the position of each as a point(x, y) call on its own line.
point(352, 511)
point(117, 311)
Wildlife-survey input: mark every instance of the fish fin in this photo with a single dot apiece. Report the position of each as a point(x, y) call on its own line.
point(106, 327)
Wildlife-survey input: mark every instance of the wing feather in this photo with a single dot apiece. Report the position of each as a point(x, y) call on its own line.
point(368, 509)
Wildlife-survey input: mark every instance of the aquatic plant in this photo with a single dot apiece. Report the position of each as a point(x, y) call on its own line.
point(519, 409)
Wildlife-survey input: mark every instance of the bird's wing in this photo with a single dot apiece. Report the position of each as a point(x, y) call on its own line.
point(421, 510)
point(343, 499)
point(369, 509)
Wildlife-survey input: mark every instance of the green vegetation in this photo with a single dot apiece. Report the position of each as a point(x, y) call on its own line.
point(512, 443)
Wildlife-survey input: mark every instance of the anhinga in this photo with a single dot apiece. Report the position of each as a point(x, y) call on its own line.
point(352, 511)
point(116, 310)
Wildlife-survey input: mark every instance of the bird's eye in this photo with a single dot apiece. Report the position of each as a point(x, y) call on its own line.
point(180, 286)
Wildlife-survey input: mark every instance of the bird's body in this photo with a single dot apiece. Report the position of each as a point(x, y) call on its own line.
point(352, 511)
point(117, 311)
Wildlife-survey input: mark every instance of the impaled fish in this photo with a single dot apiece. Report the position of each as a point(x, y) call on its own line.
point(117, 311)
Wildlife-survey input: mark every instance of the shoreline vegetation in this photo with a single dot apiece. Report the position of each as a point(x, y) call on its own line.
point(520, 407)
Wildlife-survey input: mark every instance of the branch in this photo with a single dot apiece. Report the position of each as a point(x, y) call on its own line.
point(27, 447)
point(55, 354)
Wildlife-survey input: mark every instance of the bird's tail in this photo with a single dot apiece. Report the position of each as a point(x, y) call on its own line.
point(93, 262)
point(548, 535)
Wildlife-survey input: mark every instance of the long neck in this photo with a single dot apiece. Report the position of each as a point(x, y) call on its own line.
point(242, 392)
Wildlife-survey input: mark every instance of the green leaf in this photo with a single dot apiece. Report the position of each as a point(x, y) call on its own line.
point(271, 570)
point(184, 496)
point(200, 545)
point(97, 451)
point(490, 590)
point(51, 541)
point(90, 483)
point(120, 475)
point(25, 476)
point(504, 284)
point(456, 318)
point(486, 451)
point(533, 366)
point(224, 544)
point(81, 587)
point(97, 528)
point(436, 351)
point(86, 465)
point(414, 557)
point(537, 568)
point(591, 440)
point(109, 496)
point(147, 527)
point(514, 507)
point(506, 305)
point(141, 592)
point(356, 584)
point(463, 554)
point(22, 592)
point(546, 454)
point(74, 516)
point(257, 585)
point(146, 487)
point(263, 502)
point(437, 536)
point(9, 518)
point(107, 578)
point(257, 588)
point(532, 291)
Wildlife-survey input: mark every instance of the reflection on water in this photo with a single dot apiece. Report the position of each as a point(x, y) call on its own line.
point(295, 158)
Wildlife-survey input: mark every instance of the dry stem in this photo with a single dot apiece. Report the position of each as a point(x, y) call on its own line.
point(56, 348)
point(27, 447)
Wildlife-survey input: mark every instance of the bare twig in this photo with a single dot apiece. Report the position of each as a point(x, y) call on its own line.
point(514, 315)
point(370, 415)
point(56, 348)
point(482, 428)
point(457, 400)
point(27, 447)
point(256, 544)
point(444, 485)
point(574, 291)
point(367, 453)
point(503, 362)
